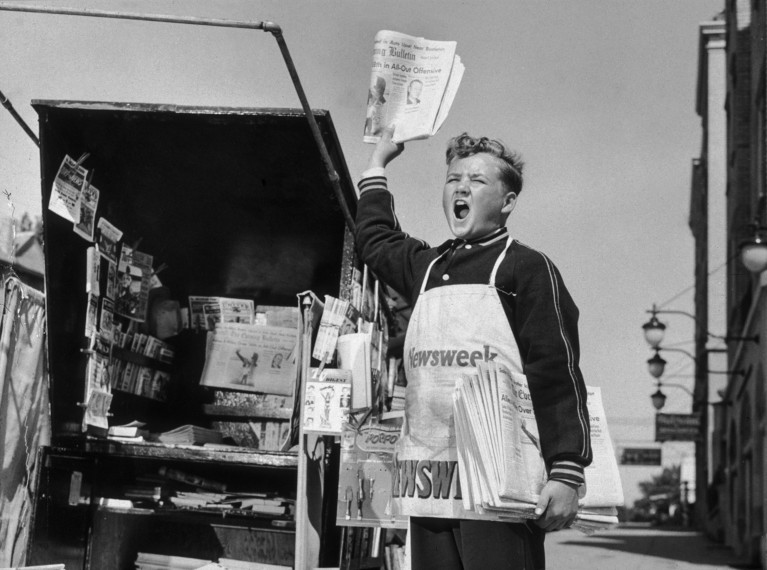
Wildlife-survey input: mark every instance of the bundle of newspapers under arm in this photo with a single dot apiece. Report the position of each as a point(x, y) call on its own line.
point(499, 458)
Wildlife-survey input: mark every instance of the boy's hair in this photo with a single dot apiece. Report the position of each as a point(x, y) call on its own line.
point(511, 162)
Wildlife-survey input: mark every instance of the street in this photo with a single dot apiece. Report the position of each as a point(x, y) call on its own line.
point(636, 548)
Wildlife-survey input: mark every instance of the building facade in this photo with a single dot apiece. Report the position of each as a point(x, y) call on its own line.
point(738, 472)
point(708, 223)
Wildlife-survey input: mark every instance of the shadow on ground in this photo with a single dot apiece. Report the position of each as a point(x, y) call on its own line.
point(675, 545)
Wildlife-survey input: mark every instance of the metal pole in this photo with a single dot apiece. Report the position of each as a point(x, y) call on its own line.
point(332, 174)
point(15, 7)
point(7, 104)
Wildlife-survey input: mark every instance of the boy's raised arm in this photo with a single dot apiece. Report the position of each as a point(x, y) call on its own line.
point(381, 243)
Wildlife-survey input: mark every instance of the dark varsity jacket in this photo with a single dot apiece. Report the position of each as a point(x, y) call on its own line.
point(542, 315)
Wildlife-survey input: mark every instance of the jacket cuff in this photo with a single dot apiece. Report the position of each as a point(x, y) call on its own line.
point(372, 183)
point(567, 472)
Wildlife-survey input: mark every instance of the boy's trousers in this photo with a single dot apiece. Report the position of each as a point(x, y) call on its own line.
point(450, 544)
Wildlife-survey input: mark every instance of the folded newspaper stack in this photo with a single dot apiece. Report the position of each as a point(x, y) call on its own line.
point(412, 84)
point(190, 434)
point(502, 469)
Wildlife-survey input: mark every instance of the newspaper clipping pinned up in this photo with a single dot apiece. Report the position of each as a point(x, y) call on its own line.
point(413, 83)
point(108, 239)
point(87, 204)
point(251, 358)
point(67, 186)
point(134, 273)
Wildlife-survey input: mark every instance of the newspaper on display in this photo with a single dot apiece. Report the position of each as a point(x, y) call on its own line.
point(67, 186)
point(499, 458)
point(251, 358)
point(413, 83)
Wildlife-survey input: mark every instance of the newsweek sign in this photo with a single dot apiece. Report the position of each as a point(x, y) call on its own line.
point(677, 427)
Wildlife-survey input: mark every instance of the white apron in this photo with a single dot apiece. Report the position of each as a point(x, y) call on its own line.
point(451, 329)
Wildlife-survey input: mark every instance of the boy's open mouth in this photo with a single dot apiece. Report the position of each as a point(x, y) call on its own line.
point(460, 209)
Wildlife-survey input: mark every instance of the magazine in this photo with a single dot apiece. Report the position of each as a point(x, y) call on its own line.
point(413, 83)
point(327, 400)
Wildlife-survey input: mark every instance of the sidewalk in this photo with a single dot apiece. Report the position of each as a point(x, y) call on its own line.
point(636, 548)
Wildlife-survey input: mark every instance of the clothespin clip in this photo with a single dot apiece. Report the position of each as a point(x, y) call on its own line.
point(348, 498)
point(355, 422)
point(360, 493)
point(321, 367)
point(161, 267)
point(82, 158)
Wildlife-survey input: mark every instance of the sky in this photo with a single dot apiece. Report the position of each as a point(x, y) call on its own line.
point(598, 97)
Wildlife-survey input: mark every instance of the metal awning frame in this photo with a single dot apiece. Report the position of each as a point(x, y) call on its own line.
point(265, 26)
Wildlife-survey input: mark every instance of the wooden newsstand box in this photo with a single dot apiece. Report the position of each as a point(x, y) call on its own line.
point(230, 203)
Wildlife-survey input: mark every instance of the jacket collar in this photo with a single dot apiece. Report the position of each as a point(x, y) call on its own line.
point(492, 237)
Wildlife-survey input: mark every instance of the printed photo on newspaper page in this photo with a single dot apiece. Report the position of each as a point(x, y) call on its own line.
point(413, 82)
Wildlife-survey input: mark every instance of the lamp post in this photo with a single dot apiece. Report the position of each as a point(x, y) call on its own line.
point(655, 330)
point(654, 333)
point(658, 398)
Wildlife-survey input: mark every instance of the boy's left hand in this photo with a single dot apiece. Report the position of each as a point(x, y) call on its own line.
point(557, 505)
point(385, 150)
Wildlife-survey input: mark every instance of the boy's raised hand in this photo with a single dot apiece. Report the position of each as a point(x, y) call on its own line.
point(385, 150)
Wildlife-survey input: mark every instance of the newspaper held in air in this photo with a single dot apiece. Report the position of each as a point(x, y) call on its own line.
point(499, 458)
point(413, 82)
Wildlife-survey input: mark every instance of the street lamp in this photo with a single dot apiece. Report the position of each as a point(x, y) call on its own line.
point(753, 252)
point(658, 399)
point(656, 365)
point(655, 330)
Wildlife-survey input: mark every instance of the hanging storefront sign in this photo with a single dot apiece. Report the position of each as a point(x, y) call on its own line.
point(677, 427)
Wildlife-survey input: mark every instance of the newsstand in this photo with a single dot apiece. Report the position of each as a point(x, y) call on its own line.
point(230, 203)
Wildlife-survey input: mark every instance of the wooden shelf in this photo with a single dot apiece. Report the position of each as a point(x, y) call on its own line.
point(196, 453)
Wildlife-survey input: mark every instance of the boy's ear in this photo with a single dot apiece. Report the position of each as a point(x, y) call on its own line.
point(509, 202)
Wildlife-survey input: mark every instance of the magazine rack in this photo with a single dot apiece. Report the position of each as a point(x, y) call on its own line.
point(233, 202)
